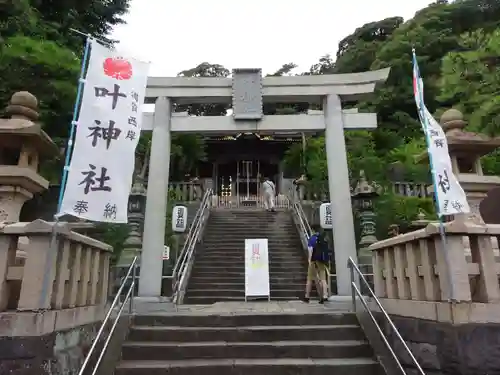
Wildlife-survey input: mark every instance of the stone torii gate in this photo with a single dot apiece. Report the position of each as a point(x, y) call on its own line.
point(247, 91)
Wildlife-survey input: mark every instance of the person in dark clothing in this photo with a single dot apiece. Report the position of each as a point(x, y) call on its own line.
point(318, 255)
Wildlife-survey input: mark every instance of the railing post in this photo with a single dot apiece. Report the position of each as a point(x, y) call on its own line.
point(132, 286)
point(353, 292)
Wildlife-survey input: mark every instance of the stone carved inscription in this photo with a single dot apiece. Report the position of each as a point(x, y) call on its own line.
point(247, 94)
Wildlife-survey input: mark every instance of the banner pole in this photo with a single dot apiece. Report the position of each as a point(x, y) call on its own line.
point(53, 238)
point(442, 231)
point(69, 147)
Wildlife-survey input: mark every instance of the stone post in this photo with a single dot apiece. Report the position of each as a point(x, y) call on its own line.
point(340, 194)
point(156, 204)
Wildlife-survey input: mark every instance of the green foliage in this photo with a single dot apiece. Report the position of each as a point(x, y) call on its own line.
point(400, 210)
point(471, 79)
point(114, 235)
point(457, 45)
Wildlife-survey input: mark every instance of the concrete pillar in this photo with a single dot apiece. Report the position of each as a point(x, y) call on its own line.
point(340, 195)
point(156, 204)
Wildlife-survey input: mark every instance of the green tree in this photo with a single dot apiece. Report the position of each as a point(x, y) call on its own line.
point(470, 79)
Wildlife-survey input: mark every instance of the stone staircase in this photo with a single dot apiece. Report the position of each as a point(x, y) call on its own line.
point(219, 269)
point(244, 344)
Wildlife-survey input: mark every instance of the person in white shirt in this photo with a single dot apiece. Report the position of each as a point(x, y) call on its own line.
point(269, 192)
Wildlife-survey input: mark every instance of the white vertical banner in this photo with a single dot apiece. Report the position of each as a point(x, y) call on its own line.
point(257, 268)
point(450, 195)
point(107, 132)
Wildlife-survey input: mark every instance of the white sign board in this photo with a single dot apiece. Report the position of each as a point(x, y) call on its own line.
point(256, 268)
point(107, 132)
point(166, 253)
point(179, 219)
point(325, 216)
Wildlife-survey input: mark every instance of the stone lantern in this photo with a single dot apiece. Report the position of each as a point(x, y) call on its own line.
point(466, 149)
point(22, 143)
point(363, 195)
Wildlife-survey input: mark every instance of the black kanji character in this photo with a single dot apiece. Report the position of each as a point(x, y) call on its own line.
point(439, 143)
point(457, 205)
point(134, 107)
point(90, 180)
point(81, 207)
point(135, 96)
point(101, 92)
point(108, 134)
point(131, 135)
point(328, 215)
point(444, 182)
point(132, 121)
point(445, 204)
point(433, 133)
point(110, 211)
point(180, 219)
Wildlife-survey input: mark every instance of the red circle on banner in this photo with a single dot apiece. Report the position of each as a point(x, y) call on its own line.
point(118, 68)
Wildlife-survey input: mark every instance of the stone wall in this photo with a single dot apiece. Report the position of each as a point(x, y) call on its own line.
point(52, 343)
point(444, 348)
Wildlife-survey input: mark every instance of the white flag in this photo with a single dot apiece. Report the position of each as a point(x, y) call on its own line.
point(449, 194)
point(108, 129)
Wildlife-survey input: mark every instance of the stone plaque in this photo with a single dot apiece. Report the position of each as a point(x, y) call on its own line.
point(247, 94)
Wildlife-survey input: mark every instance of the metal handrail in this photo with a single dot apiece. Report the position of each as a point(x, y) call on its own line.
point(355, 291)
point(189, 247)
point(306, 229)
point(183, 252)
point(129, 296)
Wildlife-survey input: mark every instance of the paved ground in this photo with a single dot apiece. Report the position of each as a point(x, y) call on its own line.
point(273, 307)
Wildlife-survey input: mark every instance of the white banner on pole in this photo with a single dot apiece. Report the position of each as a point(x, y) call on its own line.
point(450, 195)
point(256, 268)
point(108, 129)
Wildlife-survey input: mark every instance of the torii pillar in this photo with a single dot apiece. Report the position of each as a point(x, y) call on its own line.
point(247, 91)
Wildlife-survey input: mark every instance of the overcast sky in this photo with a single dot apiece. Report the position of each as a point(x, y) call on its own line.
point(179, 34)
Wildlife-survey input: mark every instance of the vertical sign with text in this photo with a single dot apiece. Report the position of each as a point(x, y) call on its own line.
point(257, 268)
point(108, 130)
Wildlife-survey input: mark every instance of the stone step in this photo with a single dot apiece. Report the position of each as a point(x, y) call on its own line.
point(226, 268)
point(250, 226)
point(275, 366)
point(203, 262)
point(331, 322)
point(200, 278)
point(210, 300)
point(238, 247)
point(215, 272)
point(239, 250)
point(279, 293)
point(273, 262)
point(196, 284)
point(239, 255)
point(240, 240)
point(157, 351)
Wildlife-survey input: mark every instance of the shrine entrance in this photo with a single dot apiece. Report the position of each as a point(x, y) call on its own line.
point(246, 91)
point(242, 178)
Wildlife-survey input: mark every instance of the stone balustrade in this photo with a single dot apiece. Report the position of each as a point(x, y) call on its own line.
point(412, 267)
point(187, 191)
point(413, 279)
point(78, 275)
